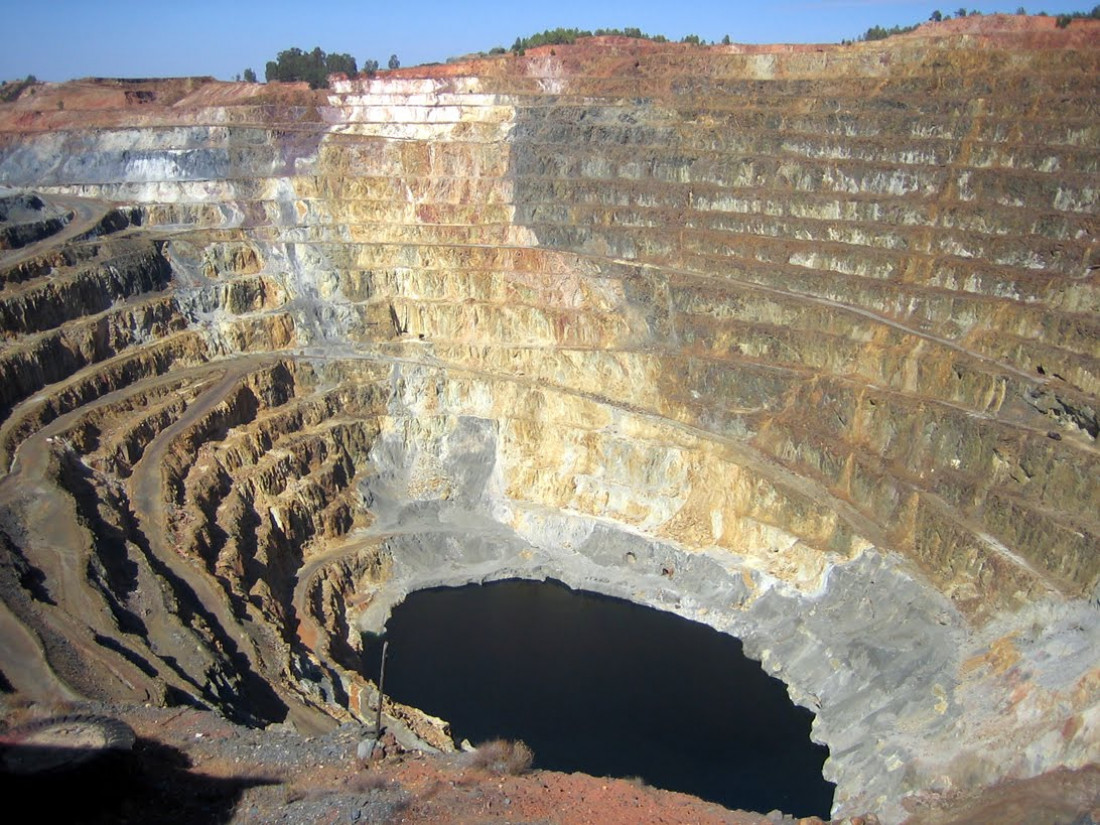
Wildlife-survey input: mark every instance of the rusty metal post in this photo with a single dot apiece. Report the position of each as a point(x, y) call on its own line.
point(381, 691)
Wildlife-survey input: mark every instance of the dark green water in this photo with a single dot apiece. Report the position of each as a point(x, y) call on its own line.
point(606, 687)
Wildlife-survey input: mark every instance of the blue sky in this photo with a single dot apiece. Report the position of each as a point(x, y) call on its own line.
point(62, 39)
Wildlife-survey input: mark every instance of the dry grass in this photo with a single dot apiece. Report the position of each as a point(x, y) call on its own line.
point(366, 781)
point(502, 756)
point(297, 793)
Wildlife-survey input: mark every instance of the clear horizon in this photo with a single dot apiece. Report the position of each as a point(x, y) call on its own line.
point(70, 39)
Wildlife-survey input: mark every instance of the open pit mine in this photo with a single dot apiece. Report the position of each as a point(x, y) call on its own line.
point(800, 342)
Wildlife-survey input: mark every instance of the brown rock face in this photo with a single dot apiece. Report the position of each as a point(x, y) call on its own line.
point(813, 329)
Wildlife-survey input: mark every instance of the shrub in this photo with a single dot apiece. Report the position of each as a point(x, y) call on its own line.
point(366, 781)
point(1063, 20)
point(503, 757)
point(566, 37)
point(880, 33)
point(12, 90)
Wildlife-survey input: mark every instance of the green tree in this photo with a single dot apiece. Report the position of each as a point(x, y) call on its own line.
point(291, 65)
point(726, 40)
point(315, 71)
point(394, 62)
point(249, 76)
point(936, 16)
point(370, 67)
point(339, 63)
point(295, 65)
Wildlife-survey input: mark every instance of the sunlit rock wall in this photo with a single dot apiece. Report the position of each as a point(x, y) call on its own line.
point(800, 343)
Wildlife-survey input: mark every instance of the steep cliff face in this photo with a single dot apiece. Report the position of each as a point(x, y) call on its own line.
point(797, 342)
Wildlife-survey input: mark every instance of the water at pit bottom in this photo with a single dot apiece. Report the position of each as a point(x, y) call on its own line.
point(605, 687)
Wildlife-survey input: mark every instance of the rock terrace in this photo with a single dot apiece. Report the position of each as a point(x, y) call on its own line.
point(801, 343)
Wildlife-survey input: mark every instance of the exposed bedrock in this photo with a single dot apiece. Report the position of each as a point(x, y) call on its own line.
point(802, 344)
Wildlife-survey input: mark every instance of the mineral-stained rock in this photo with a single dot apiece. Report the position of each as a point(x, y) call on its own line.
point(797, 342)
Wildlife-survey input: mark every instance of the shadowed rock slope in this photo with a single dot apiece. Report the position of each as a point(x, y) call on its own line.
point(800, 342)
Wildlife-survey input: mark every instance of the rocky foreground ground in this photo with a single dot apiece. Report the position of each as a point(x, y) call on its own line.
point(192, 767)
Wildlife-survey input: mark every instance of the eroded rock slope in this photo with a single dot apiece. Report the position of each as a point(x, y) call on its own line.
point(797, 342)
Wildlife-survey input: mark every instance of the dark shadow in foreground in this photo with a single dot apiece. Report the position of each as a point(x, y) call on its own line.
point(152, 783)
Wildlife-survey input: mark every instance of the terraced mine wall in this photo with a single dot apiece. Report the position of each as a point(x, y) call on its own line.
point(800, 343)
